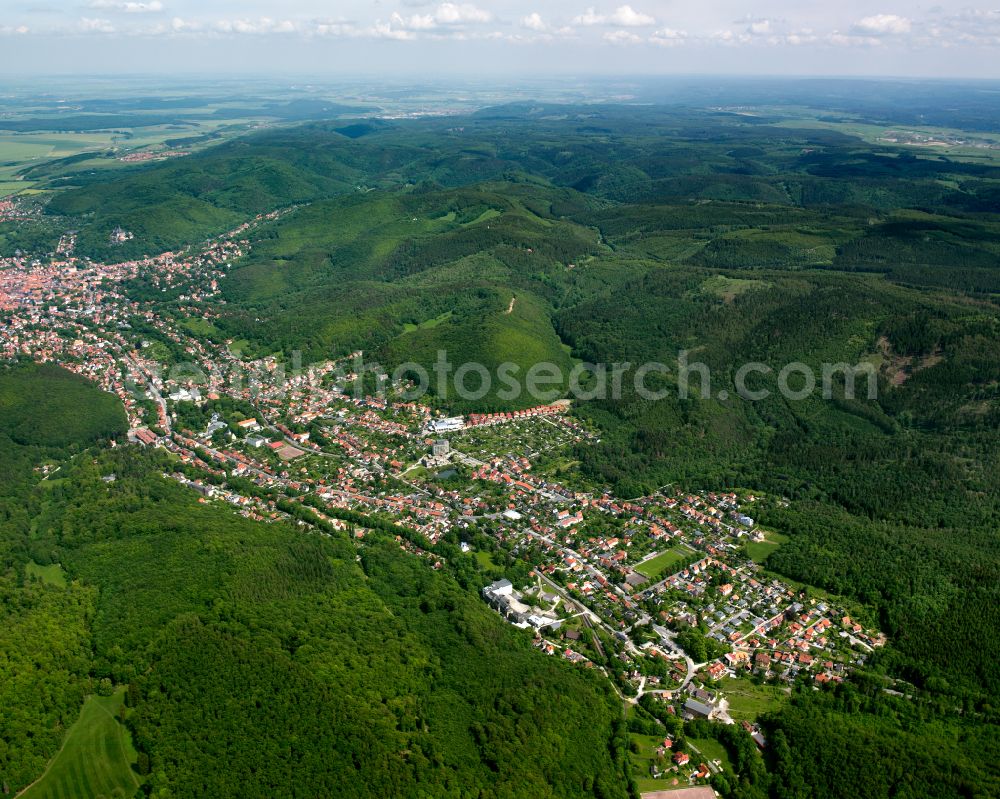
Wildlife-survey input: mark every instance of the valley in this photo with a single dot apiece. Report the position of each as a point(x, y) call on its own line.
point(224, 467)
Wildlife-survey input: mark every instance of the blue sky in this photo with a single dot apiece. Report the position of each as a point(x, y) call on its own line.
point(503, 37)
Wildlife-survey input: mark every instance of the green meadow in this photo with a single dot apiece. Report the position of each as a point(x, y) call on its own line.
point(96, 757)
point(760, 550)
point(748, 701)
point(52, 574)
point(664, 562)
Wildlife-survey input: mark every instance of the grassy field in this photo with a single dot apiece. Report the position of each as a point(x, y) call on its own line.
point(654, 567)
point(50, 575)
point(95, 759)
point(409, 326)
point(759, 550)
point(485, 559)
point(489, 213)
point(24, 150)
point(747, 700)
point(21, 150)
point(729, 288)
point(876, 134)
point(8, 187)
point(710, 750)
point(200, 327)
point(642, 760)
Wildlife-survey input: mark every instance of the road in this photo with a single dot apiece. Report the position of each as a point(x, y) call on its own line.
point(151, 390)
point(665, 635)
point(668, 641)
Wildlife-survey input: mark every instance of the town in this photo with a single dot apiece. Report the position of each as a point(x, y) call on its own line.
point(664, 594)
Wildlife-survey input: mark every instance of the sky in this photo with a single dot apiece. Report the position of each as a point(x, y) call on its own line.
point(539, 38)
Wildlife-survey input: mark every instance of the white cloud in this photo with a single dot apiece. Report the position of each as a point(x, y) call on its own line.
point(446, 15)
point(622, 37)
point(589, 17)
point(153, 6)
point(623, 17)
point(872, 31)
point(534, 22)
point(970, 26)
point(13, 30)
point(334, 27)
point(92, 25)
point(612, 22)
point(845, 40)
point(668, 37)
point(255, 26)
point(179, 25)
point(384, 30)
point(800, 37)
point(417, 22)
point(466, 13)
point(628, 17)
point(882, 25)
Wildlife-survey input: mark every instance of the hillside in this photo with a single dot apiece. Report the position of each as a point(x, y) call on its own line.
point(739, 240)
point(238, 639)
point(46, 414)
point(523, 234)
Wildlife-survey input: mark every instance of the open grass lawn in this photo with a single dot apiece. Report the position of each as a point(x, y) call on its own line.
point(95, 759)
point(759, 550)
point(489, 213)
point(485, 559)
point(200, 327)
point(19, 151)
point(710, 750)
point(641, 762)
point(662, 563)
point(50, 575)
point(12, 150)
point(8, 172)
point(877, 133)
point(747, 700)
point(665, 783)
point(27, 147)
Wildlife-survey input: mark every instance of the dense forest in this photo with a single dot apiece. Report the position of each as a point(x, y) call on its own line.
point(522, 234)
point(291, 657)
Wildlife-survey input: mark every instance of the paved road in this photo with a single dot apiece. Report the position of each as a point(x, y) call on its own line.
point(665, 635)
point(151, 389)
point(668, 641)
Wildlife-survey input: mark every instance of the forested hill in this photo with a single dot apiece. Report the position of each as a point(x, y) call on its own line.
point(629, 234)
point(303, 664)
point(561, 233)
point(39, 425)
point(616, 153)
